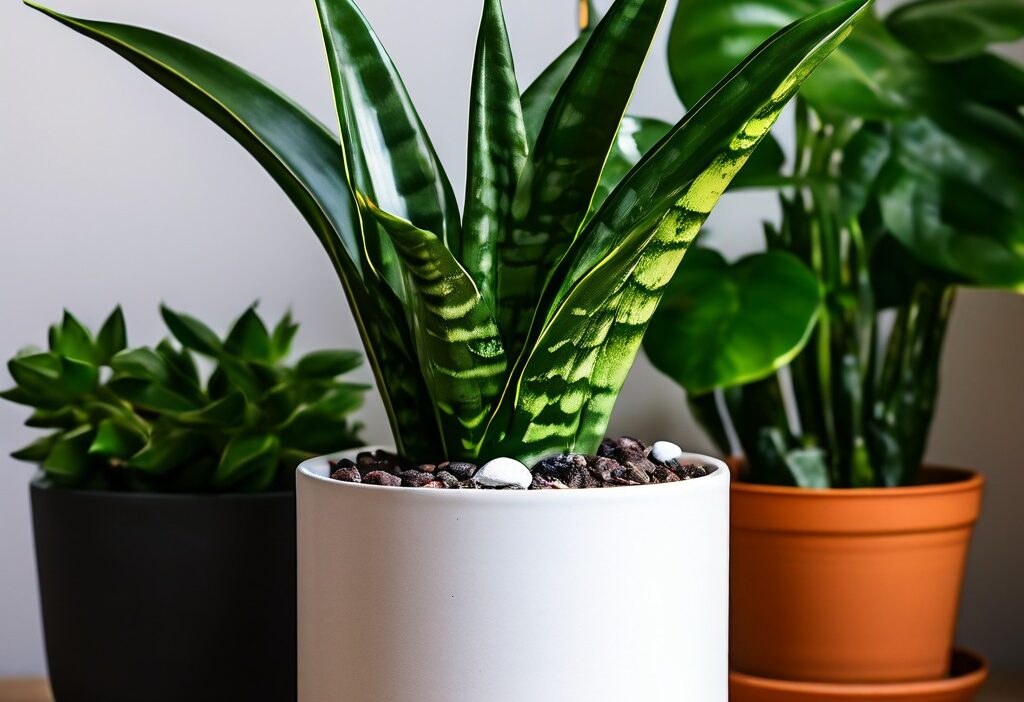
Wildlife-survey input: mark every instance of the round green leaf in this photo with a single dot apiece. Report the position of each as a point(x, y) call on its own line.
point(721, 325)
point(947, 30)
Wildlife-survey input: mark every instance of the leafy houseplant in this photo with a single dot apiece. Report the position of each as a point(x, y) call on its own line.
point(167, 502)
point(142, 419)
point(492, 333)
point(503, 331)
point(906, 184)
point(902, 189)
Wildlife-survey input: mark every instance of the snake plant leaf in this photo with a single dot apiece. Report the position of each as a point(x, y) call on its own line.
point(460, 349)
point(536, 100)
point(562, 173)
point(871, 75)
point(389, 155)
point(956, 198)
point(637, 135)
point(605, 290)
point(720, 325)
point(497, 151)
point(948, 30)
point(309, 166)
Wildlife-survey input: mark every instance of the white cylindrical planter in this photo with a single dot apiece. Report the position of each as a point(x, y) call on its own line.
point(597, 595)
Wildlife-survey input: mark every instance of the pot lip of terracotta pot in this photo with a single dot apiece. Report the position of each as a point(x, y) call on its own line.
point(939, 480)
point(975, 672)
point(315, 472)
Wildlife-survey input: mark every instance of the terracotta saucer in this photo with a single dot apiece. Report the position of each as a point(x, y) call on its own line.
point(969, 672)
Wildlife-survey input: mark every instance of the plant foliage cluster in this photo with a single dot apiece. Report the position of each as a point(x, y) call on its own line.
point(144, 419)
point(906, 183)
point(507, 328)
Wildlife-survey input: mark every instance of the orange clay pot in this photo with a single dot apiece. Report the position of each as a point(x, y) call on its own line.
point(849, 585)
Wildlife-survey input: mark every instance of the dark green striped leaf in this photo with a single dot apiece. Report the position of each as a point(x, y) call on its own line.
point(497, 151)
point(460, 349)
point(389, 155)
point(561, 175)
point(536, 100)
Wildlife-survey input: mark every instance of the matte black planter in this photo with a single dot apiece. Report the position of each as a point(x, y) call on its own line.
point(167, 598)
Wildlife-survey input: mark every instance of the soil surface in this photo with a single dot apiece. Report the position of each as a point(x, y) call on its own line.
point(619, 462)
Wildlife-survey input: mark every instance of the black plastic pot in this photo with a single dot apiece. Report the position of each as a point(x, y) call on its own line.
point(176, 598)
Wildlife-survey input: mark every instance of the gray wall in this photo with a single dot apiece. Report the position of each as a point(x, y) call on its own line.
point(111, 190)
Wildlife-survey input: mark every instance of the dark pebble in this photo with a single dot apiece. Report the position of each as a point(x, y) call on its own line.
point(460, 469)
point(449, 480)
point(691, 470)
point(426, 468)
point(560, 467)
point(415, 478)
point(380, 477)
point(347, 474)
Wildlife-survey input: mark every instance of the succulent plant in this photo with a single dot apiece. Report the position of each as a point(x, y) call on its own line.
point(143, 419)
point(507, 330)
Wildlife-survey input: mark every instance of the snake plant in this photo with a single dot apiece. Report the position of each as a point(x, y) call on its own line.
point(906, 184)
point(509, 328)
point(143, 418)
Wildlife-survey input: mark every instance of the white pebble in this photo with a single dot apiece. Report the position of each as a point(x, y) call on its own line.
point(503, 472)
point(665, 451)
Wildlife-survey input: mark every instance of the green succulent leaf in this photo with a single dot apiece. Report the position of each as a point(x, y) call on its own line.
point(321, 427)
point(49, 381)
point(142, 363)
point(283, 335)
point(112, 338)
point(460, 349)
point(948, 30)
point(38, 450)
point(62, 418)
point(168, 448)
point(151, 395)
point(246, 456)
point(497, 151)
point(191, 333)
point(604, 292)
point(68, 461)
point(328, 364)
point(249, 338)
point(117, 439)
point(720, 325)
point(871, 75)
point(390, 157)
point(561, 175)
point(75, 341)
point(228, 411)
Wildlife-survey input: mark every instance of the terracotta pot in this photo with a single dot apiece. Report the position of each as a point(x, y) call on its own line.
point(962, 684)
point(854, 585)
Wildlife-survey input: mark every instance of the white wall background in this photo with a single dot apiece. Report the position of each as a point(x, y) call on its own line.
point(111, 190)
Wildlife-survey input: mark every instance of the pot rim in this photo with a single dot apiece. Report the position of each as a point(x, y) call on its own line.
point(314, 471)
point(911, 690)
point(43, 484)
point(957, 480)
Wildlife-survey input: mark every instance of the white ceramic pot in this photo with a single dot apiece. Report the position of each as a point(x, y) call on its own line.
point(599, 595)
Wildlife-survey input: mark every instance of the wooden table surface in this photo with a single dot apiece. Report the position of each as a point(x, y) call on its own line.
point(999, 689)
